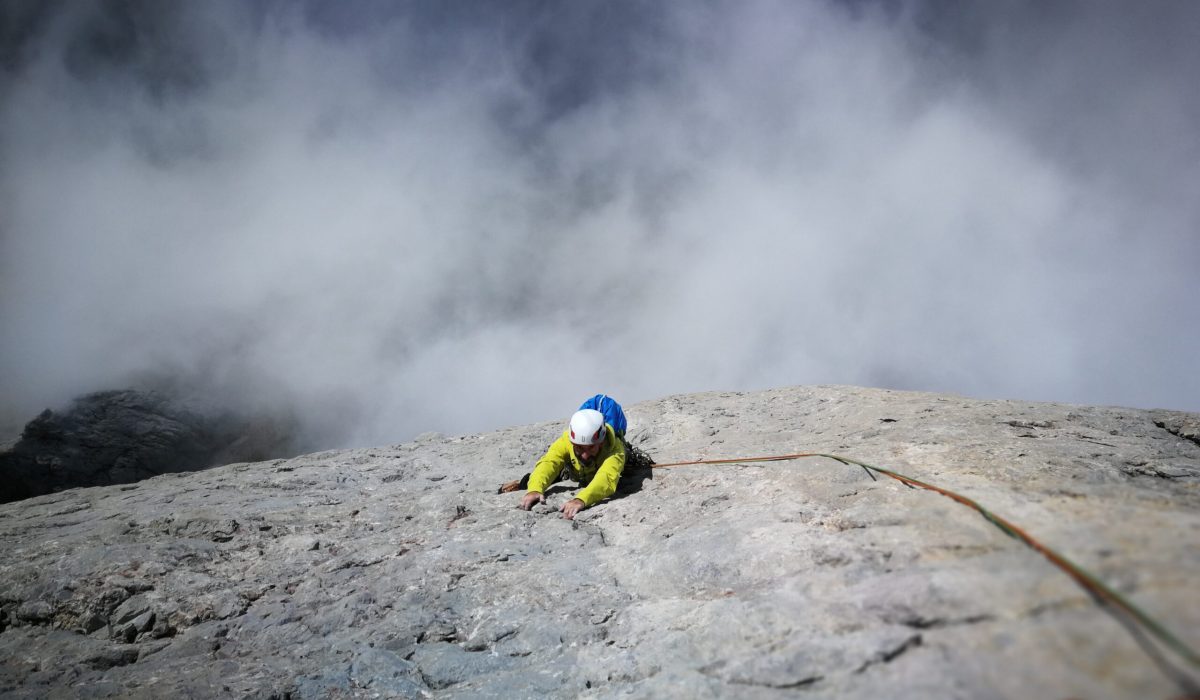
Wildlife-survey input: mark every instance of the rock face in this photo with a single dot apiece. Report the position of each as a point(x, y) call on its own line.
point(399, 572)
point(118, 437)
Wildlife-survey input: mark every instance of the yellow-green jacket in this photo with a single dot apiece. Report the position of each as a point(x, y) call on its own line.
point(600, 476)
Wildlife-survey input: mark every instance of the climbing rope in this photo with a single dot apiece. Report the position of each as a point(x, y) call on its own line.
point(1086, 580)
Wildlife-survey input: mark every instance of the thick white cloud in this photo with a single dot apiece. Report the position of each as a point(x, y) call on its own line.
point(386, 231)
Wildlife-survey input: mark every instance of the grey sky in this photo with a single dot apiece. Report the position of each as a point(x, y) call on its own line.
point(388, 218)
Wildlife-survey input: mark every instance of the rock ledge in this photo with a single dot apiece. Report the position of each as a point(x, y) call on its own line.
point(398, 572)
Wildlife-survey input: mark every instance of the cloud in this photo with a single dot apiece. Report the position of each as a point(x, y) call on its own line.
point(388, 221)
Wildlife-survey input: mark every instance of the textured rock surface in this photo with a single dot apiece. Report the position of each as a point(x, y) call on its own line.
point(398, 572)
point(118, 437)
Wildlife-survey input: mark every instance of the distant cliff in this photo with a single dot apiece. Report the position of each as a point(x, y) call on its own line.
point(119, 437)
point(397, 571)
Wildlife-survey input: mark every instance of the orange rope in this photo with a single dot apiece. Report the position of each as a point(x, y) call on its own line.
point(1087, 581)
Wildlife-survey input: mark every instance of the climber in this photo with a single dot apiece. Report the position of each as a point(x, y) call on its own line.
point(614, 416)
point(589, 451)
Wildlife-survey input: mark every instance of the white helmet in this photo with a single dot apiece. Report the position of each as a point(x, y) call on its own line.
point(587, 427)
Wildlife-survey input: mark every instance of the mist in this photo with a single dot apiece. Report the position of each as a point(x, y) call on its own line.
point(385, 219)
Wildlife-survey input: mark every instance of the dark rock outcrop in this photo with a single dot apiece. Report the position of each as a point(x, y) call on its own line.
point(119, 437)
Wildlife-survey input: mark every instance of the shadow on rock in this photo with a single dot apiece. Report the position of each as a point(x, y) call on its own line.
point(639, 468)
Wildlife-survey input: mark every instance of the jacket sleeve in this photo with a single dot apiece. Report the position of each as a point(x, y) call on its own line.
point(604, 484)
point(549, 466)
